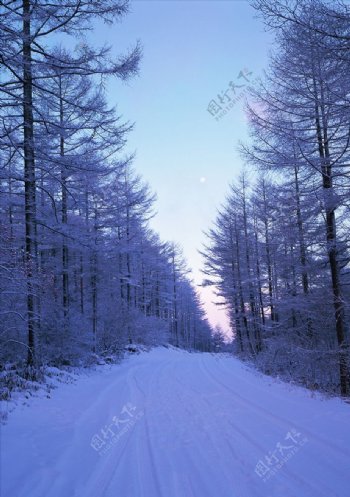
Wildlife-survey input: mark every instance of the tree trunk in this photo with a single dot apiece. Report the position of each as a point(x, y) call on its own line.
point(268, 256)
point(64, 218)
point(176, 324)
point(240, 291)
point(94, 285)
point(29, 183)
point(256, 328)
point(331, 236)
point(258, 273)
point(235, 299)
point(302, 249)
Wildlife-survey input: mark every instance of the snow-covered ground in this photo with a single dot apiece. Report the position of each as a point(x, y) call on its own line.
point(174, 424)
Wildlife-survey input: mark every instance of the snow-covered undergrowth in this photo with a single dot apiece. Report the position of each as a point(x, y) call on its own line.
point(20, 383)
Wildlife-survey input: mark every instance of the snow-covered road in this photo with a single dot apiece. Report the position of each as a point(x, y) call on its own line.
point(174, 424)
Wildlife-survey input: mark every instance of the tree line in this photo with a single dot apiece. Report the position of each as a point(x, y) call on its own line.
point(279, 249)
point(81, 271)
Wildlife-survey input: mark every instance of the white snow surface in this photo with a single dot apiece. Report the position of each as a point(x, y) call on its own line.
point(177, 424)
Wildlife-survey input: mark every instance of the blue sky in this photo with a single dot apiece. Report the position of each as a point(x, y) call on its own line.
point(192, 50)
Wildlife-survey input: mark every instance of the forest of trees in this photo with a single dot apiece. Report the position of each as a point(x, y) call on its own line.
point(279, 249)
point(82, 273)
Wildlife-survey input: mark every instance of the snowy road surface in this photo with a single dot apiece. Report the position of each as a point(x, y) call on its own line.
point(174, 424)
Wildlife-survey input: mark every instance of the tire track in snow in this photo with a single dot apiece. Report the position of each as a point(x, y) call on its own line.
point(283, 421)
point(191, 401)
point(146, 437)
point(249, 471)
point(101, 482)
point(111, 476)
point(319, 491)
point(182, 484)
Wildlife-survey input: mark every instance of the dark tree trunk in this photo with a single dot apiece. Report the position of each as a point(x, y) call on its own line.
point(29, 182)
point(256, 328)
point(240, 291)
point(268, 256)
point(64, 217)
point(331, 236)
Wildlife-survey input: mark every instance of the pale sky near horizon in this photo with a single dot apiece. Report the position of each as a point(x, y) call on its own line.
point(192, 50)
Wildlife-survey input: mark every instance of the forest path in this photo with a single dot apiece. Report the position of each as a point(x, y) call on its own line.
point(176, 424)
